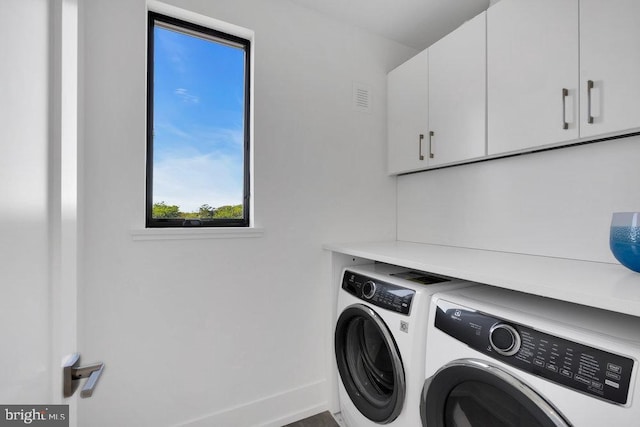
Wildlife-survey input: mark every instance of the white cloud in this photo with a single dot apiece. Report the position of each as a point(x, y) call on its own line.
point(194, 167)
point(177, 139)
point(190, 182)
point(186, 96)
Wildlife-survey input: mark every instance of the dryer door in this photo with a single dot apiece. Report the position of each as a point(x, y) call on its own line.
point(474, 393)
point(369, 364)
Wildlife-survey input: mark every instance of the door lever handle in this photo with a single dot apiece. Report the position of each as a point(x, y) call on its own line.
point(72, 374)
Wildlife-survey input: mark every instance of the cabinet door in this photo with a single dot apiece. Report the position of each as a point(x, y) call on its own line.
point(532, 58)
point(457, 94)
point(610, 59)
point(408, 115)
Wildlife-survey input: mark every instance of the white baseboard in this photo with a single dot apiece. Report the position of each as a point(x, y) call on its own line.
point(272, 411)
point(308, 412)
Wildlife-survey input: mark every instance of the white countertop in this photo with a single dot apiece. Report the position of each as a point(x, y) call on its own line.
point(597, 284)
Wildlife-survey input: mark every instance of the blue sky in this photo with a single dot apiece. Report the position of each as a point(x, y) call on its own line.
point(198, 121)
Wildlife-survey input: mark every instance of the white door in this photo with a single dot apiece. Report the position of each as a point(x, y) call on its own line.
point(532, 58)
point(38, 221)
point(408, 115)
point(610, 60)
point(24, 217)
point(457, 93)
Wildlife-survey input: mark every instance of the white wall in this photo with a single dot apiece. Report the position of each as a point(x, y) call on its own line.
point(24, 217)
point(555, 203)
point(228, 331)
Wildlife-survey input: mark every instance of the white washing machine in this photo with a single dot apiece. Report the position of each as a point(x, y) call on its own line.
point(502, 358)
point(380, 342)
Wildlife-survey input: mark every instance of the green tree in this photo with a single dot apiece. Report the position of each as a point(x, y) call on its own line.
point(228, 211)
point(162, 210)
point(206, 212)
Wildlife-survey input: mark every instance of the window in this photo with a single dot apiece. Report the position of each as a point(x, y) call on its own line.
point(197, 126)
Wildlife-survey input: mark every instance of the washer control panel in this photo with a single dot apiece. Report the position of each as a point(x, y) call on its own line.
point(382, 294)
point(583, 368)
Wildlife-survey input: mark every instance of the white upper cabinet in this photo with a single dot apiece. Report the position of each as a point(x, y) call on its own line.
point(457, 94)
point(436, 102)
point(610, 60)
point(408, 115)
point(526, 74)
point(532, 66)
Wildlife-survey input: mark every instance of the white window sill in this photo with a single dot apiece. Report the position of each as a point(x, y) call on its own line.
point(196, 233)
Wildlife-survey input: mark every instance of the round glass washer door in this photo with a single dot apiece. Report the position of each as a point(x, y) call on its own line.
point(369, 364)
point(474, 393)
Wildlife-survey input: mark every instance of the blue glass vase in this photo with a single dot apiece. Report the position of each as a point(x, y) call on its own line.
point(624, 239)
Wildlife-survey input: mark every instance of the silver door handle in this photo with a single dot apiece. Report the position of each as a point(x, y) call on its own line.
point(72, 374)
point(431, 134)
point(565, 93)
point(589, 89)
point(420, 155)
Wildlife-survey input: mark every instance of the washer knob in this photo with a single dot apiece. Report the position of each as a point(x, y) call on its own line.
point(368, 289)
point(504, 339)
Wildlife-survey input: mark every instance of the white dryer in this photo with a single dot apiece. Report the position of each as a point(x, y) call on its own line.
point(503, 358)
point(382, 314)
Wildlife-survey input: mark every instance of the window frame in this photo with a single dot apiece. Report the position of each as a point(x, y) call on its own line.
point(196, 30)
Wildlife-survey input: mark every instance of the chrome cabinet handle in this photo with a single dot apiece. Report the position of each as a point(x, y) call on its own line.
point(420, 155)
point(72, 374)
point(565, 93)
point(589, 89)
point(431, 155)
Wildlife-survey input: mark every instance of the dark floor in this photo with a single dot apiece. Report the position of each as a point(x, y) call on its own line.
point(321, 420)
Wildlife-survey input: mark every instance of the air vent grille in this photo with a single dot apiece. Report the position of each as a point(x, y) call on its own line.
point(361, 97)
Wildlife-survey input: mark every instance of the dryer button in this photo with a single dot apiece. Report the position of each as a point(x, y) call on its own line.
point(504, 339)
point(368, 289)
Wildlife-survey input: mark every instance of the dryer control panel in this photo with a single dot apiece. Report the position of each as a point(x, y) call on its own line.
point(382, 294)
point(580, 367)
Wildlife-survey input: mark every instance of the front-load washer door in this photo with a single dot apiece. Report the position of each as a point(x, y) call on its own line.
point(474, 393)
point(369, 364)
